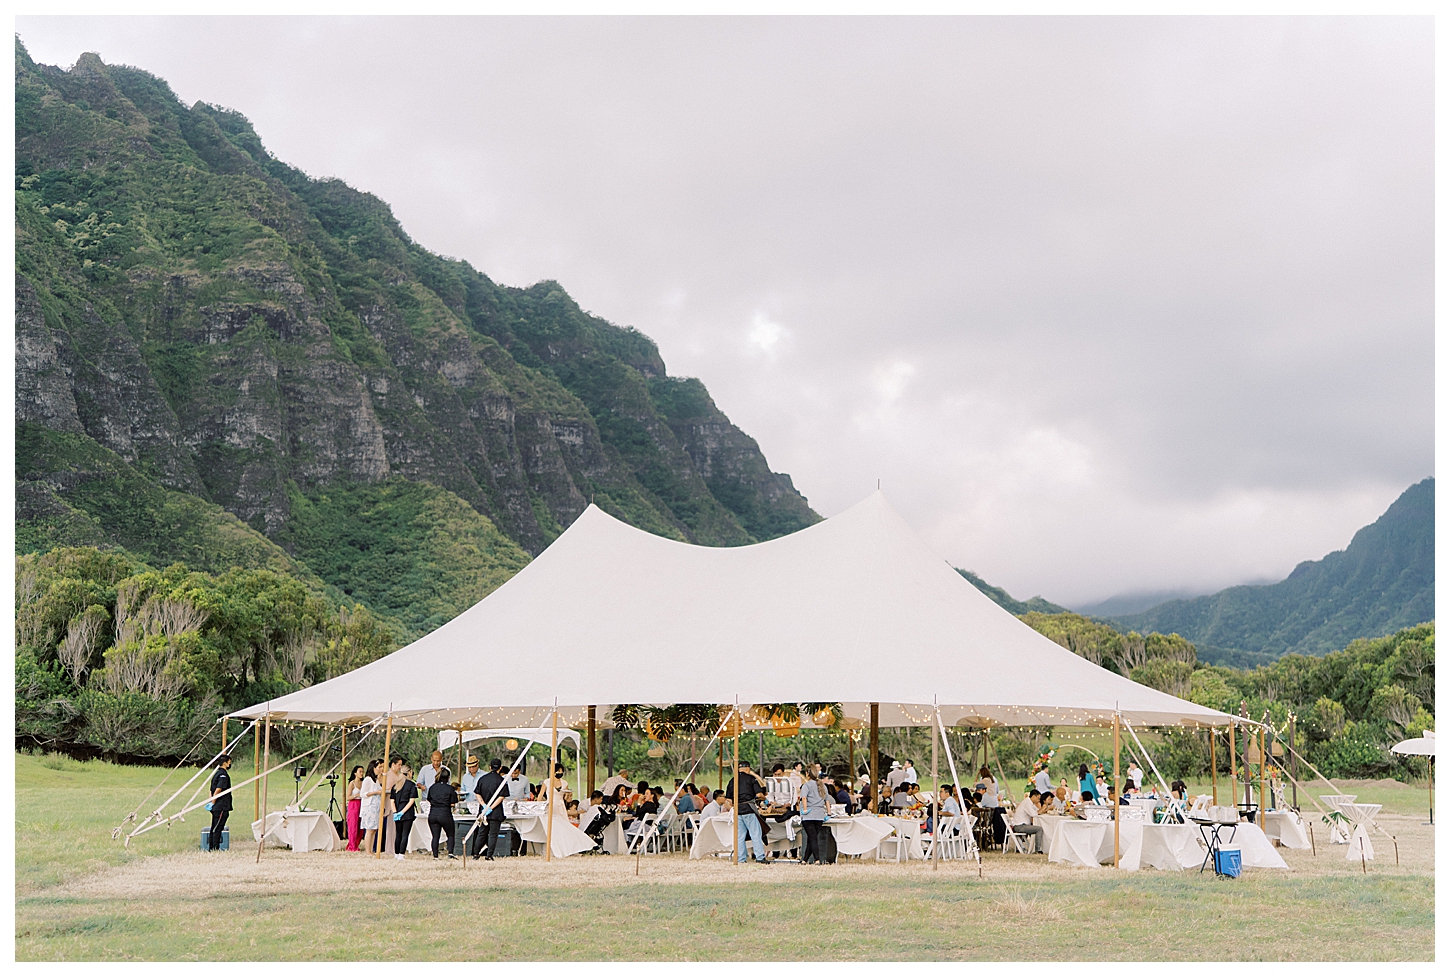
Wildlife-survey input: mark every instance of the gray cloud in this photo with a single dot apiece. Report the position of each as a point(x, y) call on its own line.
point(1107, 303)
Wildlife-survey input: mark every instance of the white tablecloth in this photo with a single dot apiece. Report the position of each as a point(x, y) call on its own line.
point(910, 831)
point(568, 839)
point(859, 835)
point(1167, 847)
point(298, 830)
point(717, 834)
point(1288, 827)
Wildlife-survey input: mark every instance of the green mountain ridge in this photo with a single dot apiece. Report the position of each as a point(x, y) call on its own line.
point(1382, 582)
point(203, 330)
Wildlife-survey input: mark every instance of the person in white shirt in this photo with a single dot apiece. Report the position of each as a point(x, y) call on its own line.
point(1135, 774)
point(797, 776)
point(518, 787)
point(949, 805)
point(428, 776)
point(719, 804)
point(1043, 781)
point(1022, 820)
point(619, 779)
point(909, 773)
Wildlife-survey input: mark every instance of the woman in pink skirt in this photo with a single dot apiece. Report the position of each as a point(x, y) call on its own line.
point(354, 808)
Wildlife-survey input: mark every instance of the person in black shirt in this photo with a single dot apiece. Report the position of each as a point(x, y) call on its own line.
point(405, 807)
point(221, 803)
point(490, 789)
point(750, 826)
point(441, 798)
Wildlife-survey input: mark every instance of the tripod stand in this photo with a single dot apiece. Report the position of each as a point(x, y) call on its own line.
point(334, 809)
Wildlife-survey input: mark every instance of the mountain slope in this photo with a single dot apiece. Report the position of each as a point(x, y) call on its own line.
point(1382, 582)
point(233, 331)
point(1006, 600)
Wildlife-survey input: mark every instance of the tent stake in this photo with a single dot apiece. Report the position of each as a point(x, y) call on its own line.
point(1118, 794)
point(266, 755)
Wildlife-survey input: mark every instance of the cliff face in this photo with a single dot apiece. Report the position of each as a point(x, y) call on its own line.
point(236, 331)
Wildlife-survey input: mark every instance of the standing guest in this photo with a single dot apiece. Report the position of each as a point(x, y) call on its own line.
point(618, 780)
point(429, 775)
point(372, 805)
point(1135, 774)
point(471, 773)
point(392, 780)
point(221, 801)
point(489, 792)
point(813, 815)
point(354, 807)
point(1043, 781)
point(518, 786)
point(441, 798)
point(405, 811)
point(895, 777)
point(991, 802)
point(909, 773)
point(748, 795)
point(797, 777)
point(1086, 782)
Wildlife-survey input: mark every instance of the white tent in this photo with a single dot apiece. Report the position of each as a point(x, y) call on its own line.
point(855, 610)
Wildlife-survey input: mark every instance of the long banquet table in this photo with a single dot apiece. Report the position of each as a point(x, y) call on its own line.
point(1167, 847)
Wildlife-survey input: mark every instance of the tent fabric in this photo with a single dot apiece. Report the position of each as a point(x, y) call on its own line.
point(1419, 746)
point(855, 609)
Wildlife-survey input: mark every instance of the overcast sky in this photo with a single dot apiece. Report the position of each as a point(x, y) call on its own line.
point(1107, 304)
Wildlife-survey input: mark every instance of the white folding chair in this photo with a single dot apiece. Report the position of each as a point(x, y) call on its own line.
point(899, 850)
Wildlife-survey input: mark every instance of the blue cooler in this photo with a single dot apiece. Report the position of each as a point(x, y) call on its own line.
point(1228, 862)
point(206, 838)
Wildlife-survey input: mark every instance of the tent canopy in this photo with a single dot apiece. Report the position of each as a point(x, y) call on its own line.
point(1419, 746)
point(855, 610)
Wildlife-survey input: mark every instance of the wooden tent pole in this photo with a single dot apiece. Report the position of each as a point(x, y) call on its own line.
point(875, 755)
point(1263, 766)
point(224, 732)
point(347, 774)
point(256, 769)
point(591, 750)
point(553, 763)
point(738, 723)
point(1213, 762)
point(266, 756)
point(1118, 795)
point(383, 800)
point(1233, 767)
point(935, 803)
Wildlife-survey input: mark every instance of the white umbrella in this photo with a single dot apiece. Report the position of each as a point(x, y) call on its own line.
point(1423, 745)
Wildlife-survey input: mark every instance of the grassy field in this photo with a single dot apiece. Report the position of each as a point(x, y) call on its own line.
point(80, 896)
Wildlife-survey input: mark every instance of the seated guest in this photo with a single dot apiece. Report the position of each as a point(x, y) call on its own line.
point(949, 805)
point(686, 803)
point(901, 799)
point(915, 802)
point(571, 811)
point(1023, 817)
point(843, 796)
point(716, 805)
point(637, 797)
